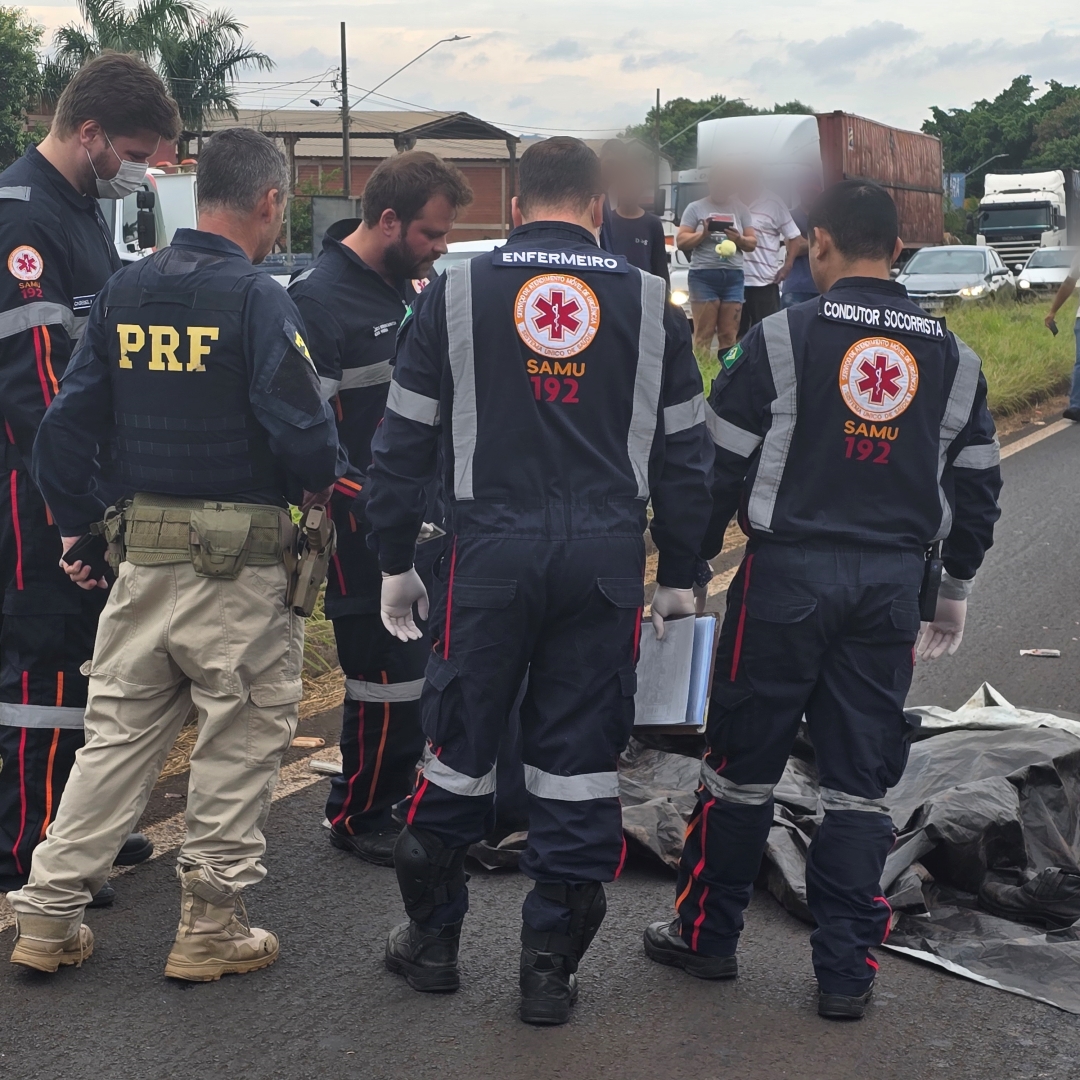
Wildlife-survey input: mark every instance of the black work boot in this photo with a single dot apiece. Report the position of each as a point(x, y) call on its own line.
point(843, 1006)
point(664, 944)
point(427, 958)
point(376, 847)
point(548, 987)
point(1051, 899)
point(136, 849)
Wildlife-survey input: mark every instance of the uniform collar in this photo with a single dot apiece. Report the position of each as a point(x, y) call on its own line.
point(58, 181)
point(207, 241)
point(862, 284)
point(335, 248)
point(551, 230)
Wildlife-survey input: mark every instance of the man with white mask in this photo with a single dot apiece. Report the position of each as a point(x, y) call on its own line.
point(55, 256)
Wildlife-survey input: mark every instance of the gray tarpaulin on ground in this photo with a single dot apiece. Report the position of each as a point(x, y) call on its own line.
point(988, 788)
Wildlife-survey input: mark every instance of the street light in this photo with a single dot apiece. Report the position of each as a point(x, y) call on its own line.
point(419, 56)
point(986, 162)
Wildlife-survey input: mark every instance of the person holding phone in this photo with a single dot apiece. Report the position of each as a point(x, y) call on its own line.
point(1068, 287)
point(715, 232)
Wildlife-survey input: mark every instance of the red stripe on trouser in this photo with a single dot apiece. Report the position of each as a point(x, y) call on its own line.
point(17, 528)
point(742, 620)
point(416, 801)
point(41, 366)
point(340, 575)
point(637, 633)
point(622, 860)
point(379, 754)
point(449, 600)
point(888, 923)
point(873, 963)
point(22, 797)
point(696, 874)
point(359, 769)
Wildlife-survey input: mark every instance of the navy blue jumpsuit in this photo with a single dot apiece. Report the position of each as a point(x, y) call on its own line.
point(851, 432)
point(562, 389)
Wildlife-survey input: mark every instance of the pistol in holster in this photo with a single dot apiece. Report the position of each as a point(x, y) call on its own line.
point(112, 528)
point(931, 583)
point(316, 542)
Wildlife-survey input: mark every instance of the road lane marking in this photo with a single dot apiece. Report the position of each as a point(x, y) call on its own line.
point(1034, 437)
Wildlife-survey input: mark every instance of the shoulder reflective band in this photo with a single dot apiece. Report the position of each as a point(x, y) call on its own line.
point(774, 452)
point(80, 327)
point(984, 456)
point(831, 799)
point(580, 788)
point(42, 313)
point(686, 414)
point(355, 378)
point(957, 412)
point(41, 716)
point(650, 372)
point(362, 690)
point(19, 194)
point(459, 783)
point(727, 791)
point(459, 332)
point(729, 436)
point(412, 406)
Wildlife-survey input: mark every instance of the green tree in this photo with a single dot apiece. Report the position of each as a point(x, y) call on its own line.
point(197, 52)
point(21, 81)
point(680, 116)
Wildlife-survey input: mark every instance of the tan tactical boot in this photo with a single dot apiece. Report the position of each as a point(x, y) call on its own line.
point(44, 942)
point(211, 939)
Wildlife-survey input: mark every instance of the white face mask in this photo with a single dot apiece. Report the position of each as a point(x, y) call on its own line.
point(129, 176)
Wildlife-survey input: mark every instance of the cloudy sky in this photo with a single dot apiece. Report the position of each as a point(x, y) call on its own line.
point(594, 65)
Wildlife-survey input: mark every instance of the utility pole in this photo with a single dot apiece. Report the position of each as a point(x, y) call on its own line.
point(346, 153)
point(656, 130)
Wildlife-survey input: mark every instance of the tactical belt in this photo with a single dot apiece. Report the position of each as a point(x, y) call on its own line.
point(218, 538)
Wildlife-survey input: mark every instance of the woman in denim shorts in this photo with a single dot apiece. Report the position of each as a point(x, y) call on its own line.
point(715, 280)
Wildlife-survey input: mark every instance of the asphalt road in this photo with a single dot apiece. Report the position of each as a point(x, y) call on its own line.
point(328, 1009)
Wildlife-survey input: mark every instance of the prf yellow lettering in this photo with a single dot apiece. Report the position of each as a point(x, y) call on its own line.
point(196, 349)
point(132, 339)
point(164, 341)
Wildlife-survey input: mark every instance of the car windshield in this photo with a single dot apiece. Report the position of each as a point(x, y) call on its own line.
point(1051, 257)
point(452, 258)
point(944, 261)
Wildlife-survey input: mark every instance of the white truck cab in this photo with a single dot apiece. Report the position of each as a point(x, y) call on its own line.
point(146, 220)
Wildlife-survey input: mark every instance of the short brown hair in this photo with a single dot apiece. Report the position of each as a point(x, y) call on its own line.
point(122, 93)
point(560, 171)
point(404, 183)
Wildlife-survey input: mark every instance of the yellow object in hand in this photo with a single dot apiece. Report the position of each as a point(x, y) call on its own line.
point(725, 249)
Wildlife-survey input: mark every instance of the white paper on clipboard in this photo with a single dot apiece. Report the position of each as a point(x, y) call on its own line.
point(673, 674)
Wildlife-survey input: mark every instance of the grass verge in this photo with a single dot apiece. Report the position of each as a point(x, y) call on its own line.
point(1023, 362)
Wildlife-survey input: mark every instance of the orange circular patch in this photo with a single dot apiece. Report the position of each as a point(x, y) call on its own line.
point(878, 378)
point(556, 315)
point(26, 263)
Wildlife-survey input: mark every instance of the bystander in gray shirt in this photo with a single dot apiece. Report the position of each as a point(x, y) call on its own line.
point(704, 256)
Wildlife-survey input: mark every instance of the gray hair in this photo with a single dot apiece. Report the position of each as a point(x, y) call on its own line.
point(237, 167)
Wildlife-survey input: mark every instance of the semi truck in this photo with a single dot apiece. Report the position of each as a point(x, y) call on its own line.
point(1023, 211)
point(791, 151)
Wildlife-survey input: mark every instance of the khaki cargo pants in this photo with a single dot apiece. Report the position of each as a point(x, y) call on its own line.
point(167, 639)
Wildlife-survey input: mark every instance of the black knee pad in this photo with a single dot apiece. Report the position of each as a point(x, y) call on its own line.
point(588, 906)
point(428, 872)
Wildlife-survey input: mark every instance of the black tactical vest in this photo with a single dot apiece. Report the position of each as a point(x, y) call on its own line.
point(180, 381)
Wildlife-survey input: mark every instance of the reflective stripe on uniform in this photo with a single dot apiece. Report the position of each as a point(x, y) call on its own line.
point(580, 788)
point(728, 791)
point(686, 414)
point(956, 415)
point(777, 444)
point(362, 690)
point(328, 387)
point(40, 716)
point(413, 406)
point(301, 276)
point(20, 194)
point(647, 380)
point(459, 333)
point(730, 436)
point(81, 322)
point(357, 378)
point(984, 456)
point(831, 799)
point(459, 783)
point(42, 313)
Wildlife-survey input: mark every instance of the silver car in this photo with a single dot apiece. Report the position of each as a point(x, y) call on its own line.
point(1044, 271)
point(942, 276)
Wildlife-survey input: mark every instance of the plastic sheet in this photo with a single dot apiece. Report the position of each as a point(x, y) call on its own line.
point(989, 790)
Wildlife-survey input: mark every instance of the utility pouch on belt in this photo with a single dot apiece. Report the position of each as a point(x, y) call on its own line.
point(218, 539)
point(112, 528)
point(931, 582)
point(316, 542)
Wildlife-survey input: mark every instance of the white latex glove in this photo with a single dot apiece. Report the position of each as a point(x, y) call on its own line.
point(399, 593)
point(667, 602)
point(944, 634)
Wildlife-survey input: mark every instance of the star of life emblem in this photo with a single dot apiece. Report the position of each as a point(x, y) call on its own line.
point(556, 315)
point(878, 378)
point(25, 263)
